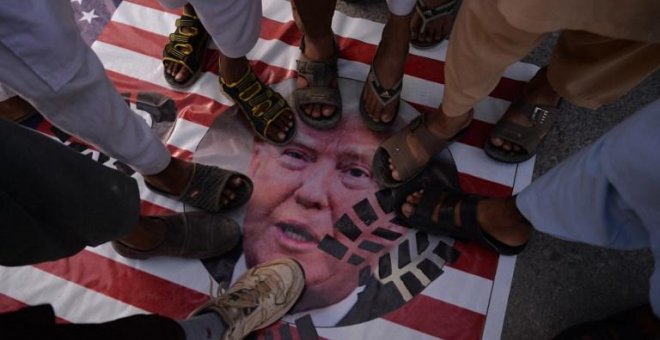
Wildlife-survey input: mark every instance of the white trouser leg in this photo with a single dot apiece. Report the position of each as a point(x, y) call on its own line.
point(89, 107)
point(401, 7)
point(607, 194)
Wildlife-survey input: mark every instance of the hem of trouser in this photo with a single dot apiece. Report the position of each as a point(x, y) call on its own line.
point(591, 104)
point(156, 166)
point(401, 7)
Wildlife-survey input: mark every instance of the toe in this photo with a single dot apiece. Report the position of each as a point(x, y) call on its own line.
point(496, 141)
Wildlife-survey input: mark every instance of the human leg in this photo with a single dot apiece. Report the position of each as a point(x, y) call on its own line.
point(382, 90)
point(432, 21)
point(318, 60)
point(591, 70)
point(56, 201)
point(586, 69)
point(82, 100)
point(605, 195)
point(234, 26)
point(258, 298)
point(183, 56)
point(483, 44)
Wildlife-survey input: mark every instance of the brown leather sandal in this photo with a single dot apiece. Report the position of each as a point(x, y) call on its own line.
point(528, 138)
point(319, 90)
point(398, 150)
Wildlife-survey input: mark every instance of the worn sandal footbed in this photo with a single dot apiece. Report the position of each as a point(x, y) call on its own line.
point(528, 138)
point(250, 94)
point(204, 189)
point(186, 49)
point(384, 95)
point(428, 14)
point(445, 199)
point(397, 149)
point(320, 76)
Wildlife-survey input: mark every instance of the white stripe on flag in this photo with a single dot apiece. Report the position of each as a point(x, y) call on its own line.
point(451, 286)
point(499, 297)
point(39, 287)
point(145, 68)
point(473, 161)
point(145, 18)
point(185, 272)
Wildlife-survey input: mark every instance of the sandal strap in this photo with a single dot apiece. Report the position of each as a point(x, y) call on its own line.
point(317, 73)
point(261, 105)
point(428, 14)
point(440, 199)
point(542, 117)
point(399, 151)
point(384, 95)
point(186, 49)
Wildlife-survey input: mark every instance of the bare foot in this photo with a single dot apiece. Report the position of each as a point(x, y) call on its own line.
point(498, 217)
point(440, 125)
point(176, 176)
point(388, 65)
point(322, 49)
point(537, 92)
point(435, 31)
point(231, 71)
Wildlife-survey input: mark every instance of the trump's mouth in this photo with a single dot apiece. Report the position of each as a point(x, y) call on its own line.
point(296, 234)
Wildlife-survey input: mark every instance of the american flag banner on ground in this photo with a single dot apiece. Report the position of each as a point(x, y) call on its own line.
point(447, 289)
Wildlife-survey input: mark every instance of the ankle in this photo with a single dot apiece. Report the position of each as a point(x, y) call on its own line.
point(319, 48)
point(233, 69)
point(500, 218)
point(446, 126)
point(173, 178)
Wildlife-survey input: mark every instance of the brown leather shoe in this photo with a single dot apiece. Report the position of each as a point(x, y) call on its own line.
point(196, 234)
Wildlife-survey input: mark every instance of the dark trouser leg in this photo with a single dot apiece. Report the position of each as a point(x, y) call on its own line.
point(39, 323)
point(54, 201)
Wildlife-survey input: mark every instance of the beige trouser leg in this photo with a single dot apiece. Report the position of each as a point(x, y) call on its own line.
point(590, 70)
point(481, 46)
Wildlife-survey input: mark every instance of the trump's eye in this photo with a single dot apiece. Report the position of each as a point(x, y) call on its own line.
point(358, 173)
point(294, 158)
point(294, 154)
point(356, 176)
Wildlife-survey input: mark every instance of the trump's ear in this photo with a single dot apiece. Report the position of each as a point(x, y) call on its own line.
point(257, 157)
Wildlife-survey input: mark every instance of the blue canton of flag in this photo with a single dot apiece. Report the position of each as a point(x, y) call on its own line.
point(92, 16)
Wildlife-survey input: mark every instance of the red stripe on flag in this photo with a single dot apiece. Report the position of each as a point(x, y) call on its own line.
point(438, 318)
point(475, 259)
point(134, 39)
point(9, 304)
point(151, 209)
point(480, 186)
point(126, 284)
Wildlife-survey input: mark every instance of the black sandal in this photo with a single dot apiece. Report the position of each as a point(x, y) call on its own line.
point(250, 94)
point(186, 49)
point(445, 199)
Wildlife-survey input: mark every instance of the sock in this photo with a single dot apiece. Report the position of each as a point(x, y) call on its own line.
point(203, 327)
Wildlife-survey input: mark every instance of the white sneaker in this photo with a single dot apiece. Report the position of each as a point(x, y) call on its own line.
point(260, 297)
